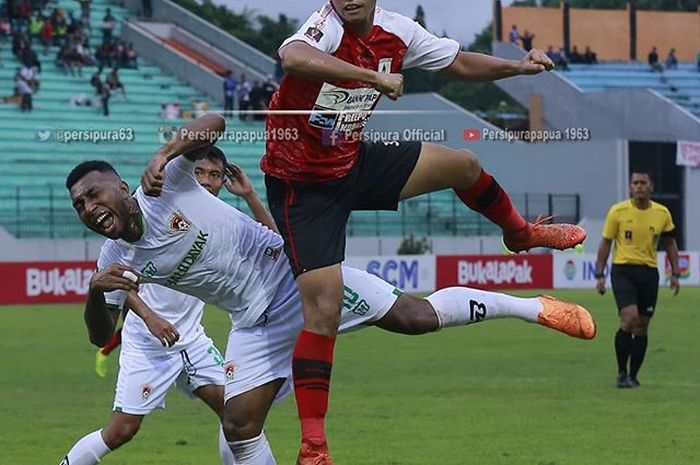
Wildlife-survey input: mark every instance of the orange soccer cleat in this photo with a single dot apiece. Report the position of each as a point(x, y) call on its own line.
point(314, 455)
point(566, 317)
point(538, 234)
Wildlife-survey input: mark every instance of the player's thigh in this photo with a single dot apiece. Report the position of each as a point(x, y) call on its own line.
point(311, 219)
point(321, 293)
point(261, 354)
point(367, 299)
point(144, 379)
point(213, 396)
point(202, 372)
point(648, 285)
point(439, 168)
point(380, 174)
point(624, 287)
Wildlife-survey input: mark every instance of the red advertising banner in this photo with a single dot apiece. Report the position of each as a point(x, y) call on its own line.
point(45, 282)
point(495, 271)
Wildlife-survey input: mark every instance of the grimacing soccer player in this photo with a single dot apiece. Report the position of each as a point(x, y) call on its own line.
point(224, 258)
point(149, 367)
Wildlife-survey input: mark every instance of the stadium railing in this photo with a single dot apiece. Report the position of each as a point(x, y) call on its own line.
point(31, 212)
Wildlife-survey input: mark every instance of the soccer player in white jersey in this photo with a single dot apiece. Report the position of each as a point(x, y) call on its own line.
point(188, 240)
point(148, 366)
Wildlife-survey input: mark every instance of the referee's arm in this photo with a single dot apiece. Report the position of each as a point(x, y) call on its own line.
point(603, 253)
point(671, 247)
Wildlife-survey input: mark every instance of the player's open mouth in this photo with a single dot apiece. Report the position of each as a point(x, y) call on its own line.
point(352, 7)
point(105, 220)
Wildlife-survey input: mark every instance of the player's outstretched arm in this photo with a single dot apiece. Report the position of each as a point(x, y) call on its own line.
point(603, 253)
point(470, 66)
point(199, 133)
point(99, 319)
point(162, 329)
point(238, 184)
point(301, 59)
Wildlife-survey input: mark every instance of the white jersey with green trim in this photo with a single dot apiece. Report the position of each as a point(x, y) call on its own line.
point(197, 244)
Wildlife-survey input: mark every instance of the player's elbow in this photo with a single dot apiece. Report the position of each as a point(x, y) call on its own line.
point(292, 57)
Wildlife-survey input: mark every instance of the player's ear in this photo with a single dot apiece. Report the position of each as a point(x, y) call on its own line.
point(124, 189)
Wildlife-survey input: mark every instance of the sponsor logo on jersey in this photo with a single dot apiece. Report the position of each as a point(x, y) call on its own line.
point(192, 255)
point(346, 110)
point(146, 391)
point(314, 34)
point(178, 223)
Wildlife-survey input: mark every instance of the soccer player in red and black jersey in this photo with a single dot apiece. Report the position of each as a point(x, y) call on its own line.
point(338, 65)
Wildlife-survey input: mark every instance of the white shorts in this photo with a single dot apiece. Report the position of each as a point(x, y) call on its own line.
point(263, 353)
point(146, 375)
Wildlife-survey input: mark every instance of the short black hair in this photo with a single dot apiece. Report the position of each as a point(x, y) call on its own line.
point(215, 154)
point(642, 171)
point(86, 167)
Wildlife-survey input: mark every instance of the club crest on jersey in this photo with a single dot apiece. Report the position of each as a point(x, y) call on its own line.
point(229, 369)
point(385, 65)
point(314, 34)
point(178, 223)
point(146, 391)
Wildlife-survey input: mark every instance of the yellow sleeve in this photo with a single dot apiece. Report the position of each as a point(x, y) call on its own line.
point(610, 227)
point(669, 226)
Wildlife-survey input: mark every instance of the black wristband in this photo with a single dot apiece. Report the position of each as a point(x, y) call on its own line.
point(599, 275)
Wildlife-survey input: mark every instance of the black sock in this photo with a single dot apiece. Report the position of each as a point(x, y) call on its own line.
point(639, 348)
point(623, 347)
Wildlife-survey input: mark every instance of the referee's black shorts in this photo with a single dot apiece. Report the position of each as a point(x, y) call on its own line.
point(635, 285)
point(312, 216)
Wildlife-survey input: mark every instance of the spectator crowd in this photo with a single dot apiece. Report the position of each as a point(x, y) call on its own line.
point(34, 22)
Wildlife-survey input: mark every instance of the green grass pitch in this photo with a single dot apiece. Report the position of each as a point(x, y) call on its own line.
point(503, 392)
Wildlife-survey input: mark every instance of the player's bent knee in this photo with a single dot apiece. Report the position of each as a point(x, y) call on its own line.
point(119, 433)
point(240, 428)
point(472, 165)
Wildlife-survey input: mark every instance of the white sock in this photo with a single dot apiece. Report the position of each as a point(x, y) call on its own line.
point(88, 451)
point(254, 451)
point(225, 451)
point(458, 306)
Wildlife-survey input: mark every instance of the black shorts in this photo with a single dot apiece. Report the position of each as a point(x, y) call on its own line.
point(635, 285)
point(312, 216)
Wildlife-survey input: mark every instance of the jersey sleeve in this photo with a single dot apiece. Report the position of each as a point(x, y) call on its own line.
point(108, 257)
point(322, 31)
point(668, 226)
point(429, 52)
point(610, 227)
point(179, 175)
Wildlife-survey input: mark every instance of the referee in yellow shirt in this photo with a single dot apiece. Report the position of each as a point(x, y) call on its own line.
point(636, 226)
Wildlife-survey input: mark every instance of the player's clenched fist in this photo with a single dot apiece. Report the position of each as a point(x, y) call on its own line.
point(112, 278)
point(535, 62)
point(390, 85)
point(152, 179)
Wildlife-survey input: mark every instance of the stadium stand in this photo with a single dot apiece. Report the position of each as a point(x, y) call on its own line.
point(680, 85)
